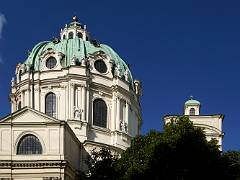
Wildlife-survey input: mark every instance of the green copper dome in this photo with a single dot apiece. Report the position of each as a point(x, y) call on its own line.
point(191, 101)
point(71, 48)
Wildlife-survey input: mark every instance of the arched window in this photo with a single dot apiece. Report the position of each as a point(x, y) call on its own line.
point(122, 110)
point(99, 113)
point(50, 104)
point(70, 35)
point(19, 76)
point(192, 111)
point(29, 144)
point(19, 105)
point(64, 36)
point(79, 35)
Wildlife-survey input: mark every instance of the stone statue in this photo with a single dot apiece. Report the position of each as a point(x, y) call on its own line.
point(117, 70)
point(126, 73)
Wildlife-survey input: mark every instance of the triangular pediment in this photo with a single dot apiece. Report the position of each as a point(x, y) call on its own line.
point(28, 116)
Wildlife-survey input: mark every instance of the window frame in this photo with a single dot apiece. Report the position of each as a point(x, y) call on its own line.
point(192, 112)
point(53, 111)
point(101, 123)
point(51, 65)
point(79, 36)
point(70, 33)
point(99, 64)
point(25, 152)
point(20, 76)
point(19, 106)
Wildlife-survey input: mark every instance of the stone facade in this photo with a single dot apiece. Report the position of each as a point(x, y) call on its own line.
point(61, 149)
point(211, 124)
point(72, 95)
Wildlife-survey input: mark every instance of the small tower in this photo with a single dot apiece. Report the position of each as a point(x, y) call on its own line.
point(74, 29)
point(192, 107)
point(211, 124)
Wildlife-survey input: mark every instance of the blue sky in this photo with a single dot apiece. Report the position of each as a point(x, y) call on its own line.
point(176, 48)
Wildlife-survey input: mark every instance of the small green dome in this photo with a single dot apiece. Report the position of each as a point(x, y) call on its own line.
point(75, 47)
point(191, 101)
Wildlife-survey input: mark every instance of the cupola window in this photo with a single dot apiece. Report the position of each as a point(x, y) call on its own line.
point(19, 105)
point(100, 66)
point(99, 113)
point(64, 36)
point(50, 104)
point(20, 75)
point(70, 35)
point(28, 145)
point(79, 35)
point(51, 63)
point(192, 111)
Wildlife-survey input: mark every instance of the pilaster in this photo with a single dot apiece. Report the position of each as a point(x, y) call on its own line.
point(118, 114)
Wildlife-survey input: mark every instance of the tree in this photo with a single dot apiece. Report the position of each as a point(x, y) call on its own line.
point(232, 163)
point(181, 151)
point(101, 165)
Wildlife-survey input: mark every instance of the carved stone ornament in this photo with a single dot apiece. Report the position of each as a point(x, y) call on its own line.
point(123, 126)
point(13, 82)
point(126, 73)
point(74, 60)
point(117, 70)
point(78, 113)
point(83, 62)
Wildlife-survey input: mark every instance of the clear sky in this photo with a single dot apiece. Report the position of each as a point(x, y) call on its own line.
point(176, 48)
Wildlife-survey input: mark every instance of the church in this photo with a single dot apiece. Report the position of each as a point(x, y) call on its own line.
point(210, 123)
point(70, 96)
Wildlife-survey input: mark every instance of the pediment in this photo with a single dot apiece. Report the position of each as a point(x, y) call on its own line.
point(28, 116)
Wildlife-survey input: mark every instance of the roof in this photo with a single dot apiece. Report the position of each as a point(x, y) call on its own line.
point(192, 101)
point(74, 48)
point(192, 116)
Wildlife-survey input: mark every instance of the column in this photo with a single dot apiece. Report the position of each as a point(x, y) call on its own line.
point(42, 100)
point(28, 98)
point(65, 102)
point(13, 106)
point(79, 94)
point(22, 99)
point(36, 91)
point(127, 115)
point(58, 103)
point(83, 103)
point(87, 105)
point(118, 114)
point(76, 96)
point(71, 101)
point(113, 118)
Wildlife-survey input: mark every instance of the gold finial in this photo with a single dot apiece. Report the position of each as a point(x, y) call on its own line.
point(75, 19)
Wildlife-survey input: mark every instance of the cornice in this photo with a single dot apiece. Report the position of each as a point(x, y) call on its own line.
point(33, 164)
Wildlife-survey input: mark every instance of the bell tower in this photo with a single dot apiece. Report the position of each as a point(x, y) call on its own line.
point(192, 107)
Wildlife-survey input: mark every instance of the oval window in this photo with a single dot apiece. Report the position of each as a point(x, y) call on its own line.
point(51, 62)
point(100, 66)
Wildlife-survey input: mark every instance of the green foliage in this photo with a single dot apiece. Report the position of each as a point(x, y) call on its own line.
point(180, 152)
point(101, 165)
point(232, 164)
